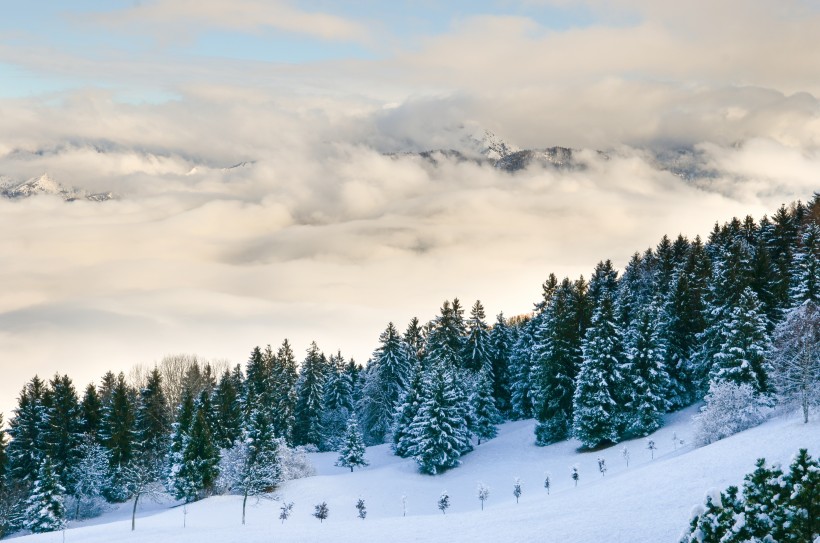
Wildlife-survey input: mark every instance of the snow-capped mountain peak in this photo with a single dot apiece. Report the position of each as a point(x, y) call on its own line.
point(47, 185)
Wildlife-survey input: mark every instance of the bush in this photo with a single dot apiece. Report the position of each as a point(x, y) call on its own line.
point(729, 409)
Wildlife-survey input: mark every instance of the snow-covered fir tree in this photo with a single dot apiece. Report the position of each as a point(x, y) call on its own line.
point(153, 421)
point(351, 453)
point(741, 357)
point(646, 378)
point(45, 507)
point(440, 431)
point(520, 369)
point(483, 404)
point(62, 433)
point(284, 377)
point(310, 393)
point(196, 468)
point(337, 403)
point(500, 350)
point(477, 348)
point(556, 356)
point(386, 381)
point(227, 407)
point(596, 414)
point(26, 449)
point(403, 437)
point(805, 275)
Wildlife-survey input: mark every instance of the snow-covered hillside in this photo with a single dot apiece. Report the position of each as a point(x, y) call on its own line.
point(649, 501)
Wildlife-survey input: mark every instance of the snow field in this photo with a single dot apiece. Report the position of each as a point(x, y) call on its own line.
point(650, 501)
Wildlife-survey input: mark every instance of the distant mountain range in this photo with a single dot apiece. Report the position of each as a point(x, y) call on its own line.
point(479, 147)
point(46, 185)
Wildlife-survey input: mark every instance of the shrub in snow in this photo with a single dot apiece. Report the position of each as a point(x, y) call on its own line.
point(602, 466)
point(443, 502)
point(625, 454)
point(652, 447)
point(320, 511)
point(729, 409)
point(285, 511)
point(404, 506)
point(574, 474)
point(547, 482)
point(361, 508)
point(483, 494)
point(294, 463)
point(517, 489)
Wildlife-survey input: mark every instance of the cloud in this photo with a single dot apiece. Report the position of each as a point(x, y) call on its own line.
point(239, 15)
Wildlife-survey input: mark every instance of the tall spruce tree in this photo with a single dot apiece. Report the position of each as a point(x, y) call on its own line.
point(440, 430)
point(556, 357)
point(596, 413)
point(477, 348)
point(337, 403)
point(62, 433)
point(500, 351)
point(483, 404)
point(403, 437)
point(92, 413)
point(646, 377)
point(227, 406)
point(153, 421)
point(285, 375)
point(198, 470)
point(310, 392)
point(26, 451)
point(386, 382)
point(741, 357)
point(45, 507)
point(805, 274)
point(119, 432)
point(445, 338)
point(520, 369)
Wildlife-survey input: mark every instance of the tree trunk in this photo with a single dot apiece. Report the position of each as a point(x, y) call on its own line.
point(134, 511)
point(244, 501)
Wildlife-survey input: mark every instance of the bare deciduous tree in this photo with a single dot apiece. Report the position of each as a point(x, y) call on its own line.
point(795, 357)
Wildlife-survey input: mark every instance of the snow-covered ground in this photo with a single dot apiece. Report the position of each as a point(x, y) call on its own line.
point(648, 501)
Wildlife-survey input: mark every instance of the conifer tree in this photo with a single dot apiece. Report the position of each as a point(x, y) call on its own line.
point(646, 376)
point(741, 357)
point(26, 449)
point(337, 403)
point(285, 375)
point(445, 340)
point(3, 457)
point(385, 384)
point(595, 412)
point(414, 339)
point(310, 392)
point(801, 510)
point(227, 408)
point(500, 351)
point(805, 282)
point(153, 421)
point(351, 454)
point(198, 470)
point(45, 507)
point(440, 430)
point(403, 437)
point(761, 490)
point(520, 368)
point(477, 350)
point(556, 357)
point(92, 413)
point(483, 403)
point(62, 433)
point(118, 431)
point(732, 275)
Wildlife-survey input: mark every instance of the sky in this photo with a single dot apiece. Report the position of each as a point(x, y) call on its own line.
point(327, 229)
